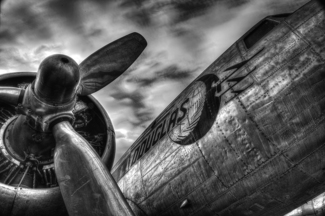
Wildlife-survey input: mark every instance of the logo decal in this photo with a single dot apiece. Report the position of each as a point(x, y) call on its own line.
point(201, 110)
point(188, 120)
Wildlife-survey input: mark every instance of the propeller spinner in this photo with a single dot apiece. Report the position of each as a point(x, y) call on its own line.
point(46, 107)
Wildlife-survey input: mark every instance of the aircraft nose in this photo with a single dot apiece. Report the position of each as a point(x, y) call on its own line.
point(57, 79)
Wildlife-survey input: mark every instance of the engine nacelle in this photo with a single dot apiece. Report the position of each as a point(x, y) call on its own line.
point(28, 184)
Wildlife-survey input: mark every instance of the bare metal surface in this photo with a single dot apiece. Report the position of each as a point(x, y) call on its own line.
point(43, 112)
point(27, 142)
point(108, 63)
point(108, 152)
point(57, 79)
point(10, 95)
point(314, 207)
point(185, 204)
point(86, 185)
point(4, 148)
point(264, 153)
point(26, 202)
point(35, 196)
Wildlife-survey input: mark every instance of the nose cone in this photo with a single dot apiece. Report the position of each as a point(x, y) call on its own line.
point(57, 79)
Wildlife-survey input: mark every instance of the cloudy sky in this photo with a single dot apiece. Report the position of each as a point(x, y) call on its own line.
point(184, 37)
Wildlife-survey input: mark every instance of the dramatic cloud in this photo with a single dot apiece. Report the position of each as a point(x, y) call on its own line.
point(184, 37)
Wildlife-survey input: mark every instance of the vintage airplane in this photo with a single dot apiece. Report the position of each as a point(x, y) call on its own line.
point(244, 138)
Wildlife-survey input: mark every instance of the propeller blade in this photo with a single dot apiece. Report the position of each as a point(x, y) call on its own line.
point(11, 95)
point(108, 63)
point(87, 187)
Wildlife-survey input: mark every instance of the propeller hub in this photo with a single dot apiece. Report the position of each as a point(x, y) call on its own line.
point(50, 99)
point(57, 79)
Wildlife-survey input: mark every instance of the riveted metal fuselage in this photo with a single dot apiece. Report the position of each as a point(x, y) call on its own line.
point(246, 137)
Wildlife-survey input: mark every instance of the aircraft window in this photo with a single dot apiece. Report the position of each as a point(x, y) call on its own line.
point(279, 17)
point(260, 31)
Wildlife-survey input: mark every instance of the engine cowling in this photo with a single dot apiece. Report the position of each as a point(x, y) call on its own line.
point(28, 185)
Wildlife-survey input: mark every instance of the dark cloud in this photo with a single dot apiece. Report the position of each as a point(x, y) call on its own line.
point(7, 36)
point(137, 12)
point(169, 73)
point(1, 2)
point(43, 20)
point(95, 32)
point(135, 97)
point(139, 16)
point(144, 12)
point(23, 19)
point(174, 73)
point(68, 11)
point(136, 101)
point(72, 11)
point(189, 9)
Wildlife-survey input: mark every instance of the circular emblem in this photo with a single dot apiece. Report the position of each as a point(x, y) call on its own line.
point(197, 111)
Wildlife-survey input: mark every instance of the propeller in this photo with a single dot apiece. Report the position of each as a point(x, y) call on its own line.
point(108, 63)
point(86, 185)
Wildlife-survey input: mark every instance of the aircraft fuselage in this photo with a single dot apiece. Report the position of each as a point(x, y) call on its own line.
point(247, 136)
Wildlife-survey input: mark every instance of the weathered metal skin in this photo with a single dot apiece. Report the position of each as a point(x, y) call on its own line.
point(23, 201)
point(314, 207)
point(264, 151)
point(20, 201)
point(10, 95)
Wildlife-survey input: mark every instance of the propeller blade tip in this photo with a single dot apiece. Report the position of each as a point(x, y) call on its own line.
point(139, 38)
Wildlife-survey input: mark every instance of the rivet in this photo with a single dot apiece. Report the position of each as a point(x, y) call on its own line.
point(185, 204)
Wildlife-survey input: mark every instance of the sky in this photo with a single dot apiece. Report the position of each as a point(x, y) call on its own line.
point(184, 37)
